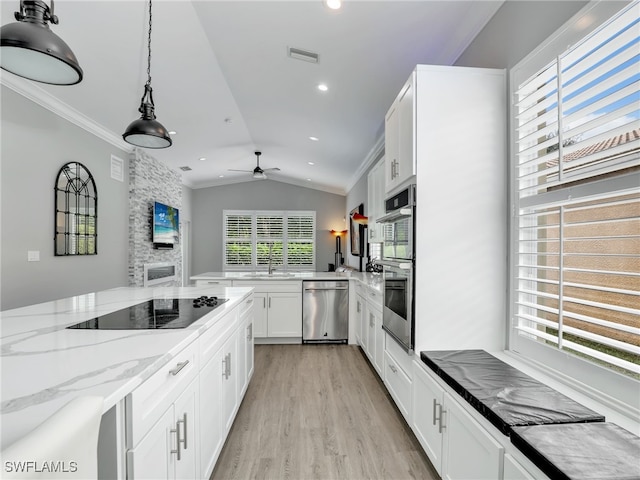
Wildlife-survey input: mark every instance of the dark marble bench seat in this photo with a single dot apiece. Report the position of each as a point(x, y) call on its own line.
point(563, 438)
point(502, 394)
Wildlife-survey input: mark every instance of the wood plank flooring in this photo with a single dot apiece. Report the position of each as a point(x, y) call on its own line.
point(319, 412)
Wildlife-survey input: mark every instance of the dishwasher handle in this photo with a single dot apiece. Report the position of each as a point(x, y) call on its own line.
point(320, 289)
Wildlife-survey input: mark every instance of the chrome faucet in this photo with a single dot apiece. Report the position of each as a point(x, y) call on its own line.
point(271, 267)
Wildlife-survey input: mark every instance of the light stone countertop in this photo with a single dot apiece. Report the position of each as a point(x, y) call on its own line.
point(44, 365)
point(371, 280)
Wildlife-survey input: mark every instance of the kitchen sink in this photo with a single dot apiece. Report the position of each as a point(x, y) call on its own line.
point(269, 275)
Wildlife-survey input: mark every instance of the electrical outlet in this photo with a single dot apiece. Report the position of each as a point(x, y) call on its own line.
point(33, 256)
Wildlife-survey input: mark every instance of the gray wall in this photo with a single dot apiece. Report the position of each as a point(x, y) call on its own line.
point(35, 145)
point(208, 204)
point(516, 29)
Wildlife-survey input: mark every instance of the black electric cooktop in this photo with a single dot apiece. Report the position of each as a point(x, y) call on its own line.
point(152, 314)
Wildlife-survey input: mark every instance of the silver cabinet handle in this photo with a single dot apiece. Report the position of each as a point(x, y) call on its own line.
point(434, 411)
point(179, 367)
point(441, 425)
point(178, 441)
point(182, 440)
point(372, 320)
point(269, 302)
point(229, 364)
point(249, 331)
point(264, 302)
point(225, 370)
point(250, 301)
point(358, 307)
point(393, 369)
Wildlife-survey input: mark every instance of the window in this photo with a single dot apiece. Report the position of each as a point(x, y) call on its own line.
point(76, 201)
point(254, 238)
point(576, 194)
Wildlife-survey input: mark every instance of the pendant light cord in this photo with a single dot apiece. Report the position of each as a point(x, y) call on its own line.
point(149, 48)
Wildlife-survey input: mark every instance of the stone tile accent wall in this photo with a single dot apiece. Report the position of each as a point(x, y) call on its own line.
point(150, 180)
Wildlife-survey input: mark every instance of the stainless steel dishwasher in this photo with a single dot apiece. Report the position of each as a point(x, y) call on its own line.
point(325, 311)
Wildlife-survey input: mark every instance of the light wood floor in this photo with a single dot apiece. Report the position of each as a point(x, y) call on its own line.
point(319, 412)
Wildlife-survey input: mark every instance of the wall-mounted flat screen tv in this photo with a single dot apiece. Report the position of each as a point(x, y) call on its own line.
point(166, 224)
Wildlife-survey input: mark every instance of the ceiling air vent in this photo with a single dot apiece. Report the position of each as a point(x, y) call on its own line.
point(305, 55)
point(186, 169)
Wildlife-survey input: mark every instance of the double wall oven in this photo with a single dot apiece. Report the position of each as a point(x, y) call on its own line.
point(398, 261)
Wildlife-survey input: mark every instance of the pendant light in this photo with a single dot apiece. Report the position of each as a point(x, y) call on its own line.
point(147, 131)
point(30, 49)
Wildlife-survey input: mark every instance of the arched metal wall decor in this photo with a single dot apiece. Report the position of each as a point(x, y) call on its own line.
point(76, 205)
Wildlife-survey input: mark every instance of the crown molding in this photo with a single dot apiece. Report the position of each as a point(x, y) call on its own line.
point(374, 154)
point(38, 95)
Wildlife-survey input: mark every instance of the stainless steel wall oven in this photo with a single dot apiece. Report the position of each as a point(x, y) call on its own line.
point(398, 260)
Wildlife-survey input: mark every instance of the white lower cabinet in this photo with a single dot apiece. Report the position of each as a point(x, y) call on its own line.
point(513, 470)
point(372, 335)
point(398, 375)
point(168, 450)
point(179, 418)
point(456, 444)
point(278, 308)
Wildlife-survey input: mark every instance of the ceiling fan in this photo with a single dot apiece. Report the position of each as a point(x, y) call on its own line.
point(258, 173)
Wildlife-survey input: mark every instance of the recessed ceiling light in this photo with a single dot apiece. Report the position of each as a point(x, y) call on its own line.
point(202, 159)
point(311, 163)
point(333, 4)
point(172, 132)
point(308, 179)
point(220, 176)
point(315, 139)
point(323, 87)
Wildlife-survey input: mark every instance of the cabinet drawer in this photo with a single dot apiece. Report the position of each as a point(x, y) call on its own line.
point(374, 297)
point(147, 403)
point(211, 340)
point(400, 356)
point(221, 283)
point(246, 306)
point(399, 386)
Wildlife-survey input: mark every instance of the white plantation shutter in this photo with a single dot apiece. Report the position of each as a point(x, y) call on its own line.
point(301, 239)
point(238, 239)
point(249, 236)
point(577, 199)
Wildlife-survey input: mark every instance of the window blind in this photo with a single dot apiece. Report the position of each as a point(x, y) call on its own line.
point(577, 144)
point(253, 239)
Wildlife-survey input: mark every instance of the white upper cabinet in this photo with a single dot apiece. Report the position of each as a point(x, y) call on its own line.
point(400, 138)
point(375, 200)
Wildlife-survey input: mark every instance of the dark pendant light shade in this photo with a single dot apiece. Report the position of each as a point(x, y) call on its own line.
point(30, 49)
point(147, 132)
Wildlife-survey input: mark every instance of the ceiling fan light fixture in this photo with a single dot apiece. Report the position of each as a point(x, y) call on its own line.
point(29, 49)
point(147, 132)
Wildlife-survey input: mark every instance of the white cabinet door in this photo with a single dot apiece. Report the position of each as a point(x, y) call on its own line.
point(469, 450)
point(260, 312)
point(186, 424)
point(361, 332)
point(513, 470)
point(248, 330)
point(379, 339)
point(371, 335)
point(391, 147)
point(229, 381)
point(375, 198)
point(285, 314)
point(406, 134)
point(428, 399)
point(211, 427)
point(151, 459)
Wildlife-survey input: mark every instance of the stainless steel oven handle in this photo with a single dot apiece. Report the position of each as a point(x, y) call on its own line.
point(400, 265)
point(395, 215)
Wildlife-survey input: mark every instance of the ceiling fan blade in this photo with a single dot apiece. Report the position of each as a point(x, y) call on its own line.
point(273, 169)
point(234, 170)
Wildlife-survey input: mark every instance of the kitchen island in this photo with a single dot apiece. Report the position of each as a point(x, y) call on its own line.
point(45, 364)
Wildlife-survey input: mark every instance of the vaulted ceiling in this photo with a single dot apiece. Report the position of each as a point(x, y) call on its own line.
point(223, 80)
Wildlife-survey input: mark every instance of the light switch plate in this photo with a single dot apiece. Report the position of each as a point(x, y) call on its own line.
point(33, 256)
